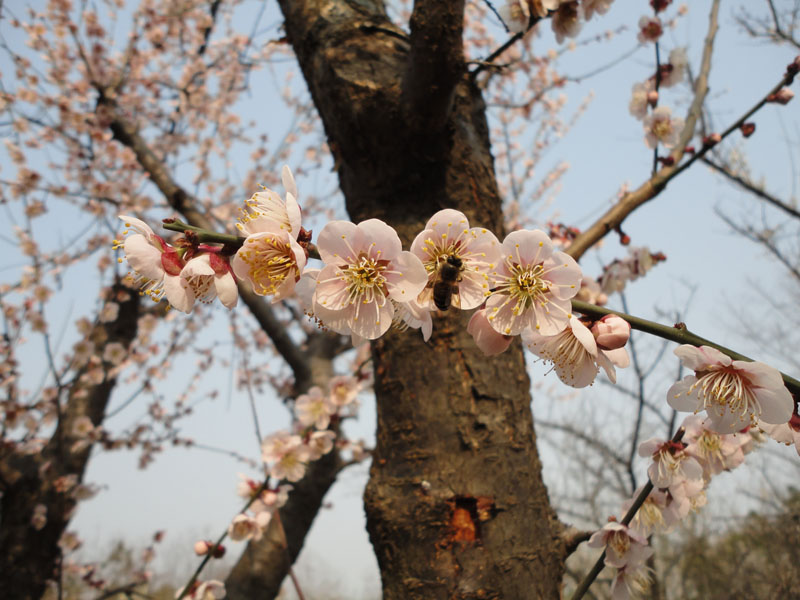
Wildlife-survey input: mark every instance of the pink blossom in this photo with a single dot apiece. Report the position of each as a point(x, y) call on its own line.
point(654, 515)
point(639, 99)
point(365, 268)
point(344, 389)
point(320, 443)
point(734, 393)
point(630, 582)
point(244, 527)
point(209, 276)
point(314, 408)
point(486, 338)
point(515, 14)
point(623, 545)
point(271, 261)
point(714, 451)
point(671, 463)
point(650, 29)
point(288, 455)
point(611, 332)
point(595, 6)
point(447, 235)
point(672, 72)
point(566, 21)
point(156, 264)
point(782, 96)
point(414, 315)
point(267, 211)
point(575, 354)
point(661, 126)
point(532, 285)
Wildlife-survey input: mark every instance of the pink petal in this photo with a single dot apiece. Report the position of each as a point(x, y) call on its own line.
point(143, 257)
point(178, 293)
point(227, 292)
point(339, 242)
point(384, 238)
point(678, 396)
point(407, 279)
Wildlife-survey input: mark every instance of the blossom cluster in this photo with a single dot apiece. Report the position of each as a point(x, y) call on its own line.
point(566, 16)
point(680, 472)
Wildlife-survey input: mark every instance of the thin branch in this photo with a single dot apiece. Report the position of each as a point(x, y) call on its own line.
point(752, 188)
point(614, 217)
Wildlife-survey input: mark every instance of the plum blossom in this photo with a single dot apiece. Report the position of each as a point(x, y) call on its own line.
point(516, 14)
point(650, 29)
point(624, 546)
point(486, 338)
point(671, 463)
point(209, 276)
point(714, 451)
point(575, 354)
point(639, 99)
point(661, 126)
point(365, 268)
point(672, 72)
point(656, 514)
point(270, 258)
point(448, 234)
point(734, 393)
point(320, 443)
point(566, 21)
point(156, 264)
point(288, 455)
point(414, 315)
point(630, 582)
point(532, 285)
point(314, 408)
point(344, 389)
point(244, 527)
point(595, 6)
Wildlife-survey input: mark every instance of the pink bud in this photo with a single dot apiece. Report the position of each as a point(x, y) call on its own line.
point(782, 96)
point(652, 97)
point(201, 548)
point(611, 332)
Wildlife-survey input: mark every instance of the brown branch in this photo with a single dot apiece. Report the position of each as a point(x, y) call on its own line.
point(653, 186)
point(435, 63)
point(574, 537)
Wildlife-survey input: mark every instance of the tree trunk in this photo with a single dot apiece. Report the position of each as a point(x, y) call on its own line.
point(456, 507)
point(31, 557)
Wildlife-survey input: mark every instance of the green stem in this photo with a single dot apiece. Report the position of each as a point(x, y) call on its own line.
point(203, 235)
point(677, 333)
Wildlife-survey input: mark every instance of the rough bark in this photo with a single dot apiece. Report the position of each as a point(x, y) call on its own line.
point(31, 557)
point(456, 507)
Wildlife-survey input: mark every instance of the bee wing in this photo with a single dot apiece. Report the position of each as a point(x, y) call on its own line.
point(425, 297)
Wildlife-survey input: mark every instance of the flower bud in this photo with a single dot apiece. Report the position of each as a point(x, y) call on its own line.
point(782, 96)
point(201, 548)
point(652, 97)
point(748, 129)
point(611, 332)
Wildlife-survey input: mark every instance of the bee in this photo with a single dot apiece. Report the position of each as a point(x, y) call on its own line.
point(445, 288)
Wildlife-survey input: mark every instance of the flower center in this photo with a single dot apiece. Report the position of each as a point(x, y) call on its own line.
point(662, 128)
point(366, 281)
point(620, 542)
point(270, 260)
point(526, 285)
point(724, 388)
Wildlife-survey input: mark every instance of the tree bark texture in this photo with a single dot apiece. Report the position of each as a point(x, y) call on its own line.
point(456, 506)
point(29, 557)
